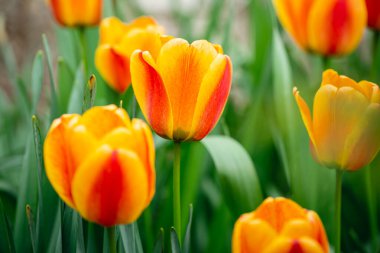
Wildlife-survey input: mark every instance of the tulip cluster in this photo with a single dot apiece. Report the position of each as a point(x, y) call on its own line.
point(279, 225)
point(102, 164)
point(344, 131)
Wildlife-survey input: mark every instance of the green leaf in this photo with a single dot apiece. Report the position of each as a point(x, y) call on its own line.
point(32, 228)
point(6, 239)
point(187, 241)
point(236, 172)
point(37, 79)
point(27, 195)
point(54, 100)
point(130, 238)
point(174, 242)
point(65, 83)
point(159, 246)
point(77, 93)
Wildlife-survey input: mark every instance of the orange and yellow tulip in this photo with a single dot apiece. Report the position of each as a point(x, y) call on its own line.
point(333, 27)
point(77, 12)
point(182, 92)
point(279, 225)
point(373, 9)
point(102, 164)
point(118, 41)
point(344, 131)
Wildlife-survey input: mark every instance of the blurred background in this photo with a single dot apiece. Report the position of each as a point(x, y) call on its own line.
point(261, 115)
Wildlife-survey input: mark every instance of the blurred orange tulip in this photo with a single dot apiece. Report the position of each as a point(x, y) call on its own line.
point(118, 41)
point(373, 9)
point(77, 12)
point(183, 92)
point(279, 225)
point(333, 27)
point(344, 131)
point(102, 164)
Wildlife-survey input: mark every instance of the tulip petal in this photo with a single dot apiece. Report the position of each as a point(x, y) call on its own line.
point(113, 66)
point(306, 116)
point(71, 12)
point(297, 228)
point(251, 235)
point(336, 112)
point(335, 27)
point(101, 120)
point(319, 230)
point(59, 162)
point(110, 187)
point(364, 143)
point(139, 140)
point(212, 97)
point(142, 39)
point(111, 31)
point(151, 93)
point(182, 68)
point(293, 15)
point(278, 211)
point(290, 245)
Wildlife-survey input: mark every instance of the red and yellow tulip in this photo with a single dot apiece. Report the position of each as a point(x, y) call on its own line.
point(182, 92)
point(344, 131)
point(118, 41)
point(77, 12)
point(333, 27)
point(279, 225)
point(373, 9)
point(102, 164)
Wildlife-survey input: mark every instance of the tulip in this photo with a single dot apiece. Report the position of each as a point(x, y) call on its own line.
point(77, 12)
point(333, 27)
point(101, 164)
point(373, 9)
point(118, 41)
point(344, 131)
point(182, 92)
point(279, 225)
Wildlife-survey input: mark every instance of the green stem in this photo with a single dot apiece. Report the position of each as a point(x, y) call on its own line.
point(338, 208)
point(111, 239)
point(176, 189)
point(325, 63)
point(83, 45)
point(375, 49)
point(371, 208)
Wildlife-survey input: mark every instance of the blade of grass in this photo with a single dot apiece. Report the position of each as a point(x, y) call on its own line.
point(6, 239)
point(37, 79)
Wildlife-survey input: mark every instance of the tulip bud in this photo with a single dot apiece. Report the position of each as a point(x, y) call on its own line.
point(182, 92)
point(102, 164)
point(279, 225)
point(117, 41)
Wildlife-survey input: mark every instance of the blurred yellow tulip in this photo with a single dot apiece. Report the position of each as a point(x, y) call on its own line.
point(344, 130)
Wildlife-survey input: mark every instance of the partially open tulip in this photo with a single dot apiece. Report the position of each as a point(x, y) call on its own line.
point(344, 130)
point(102, 164)
point(118, 41)
point(279, 225)
point(333, 27)
point(183, 91)
point(77, 12)
point(373, 9)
